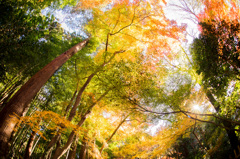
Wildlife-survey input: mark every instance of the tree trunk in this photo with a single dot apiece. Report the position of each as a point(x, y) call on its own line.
point(30, 145)
point(114, 132)
point(60, 151)
point(55, 139)
point(19, 102)
point(70, 103)
point(232, 137)
point(72, 153)
point(228, 126)
point(49, 148)
point(83, 150)
point(79, 97)
point(35, 144)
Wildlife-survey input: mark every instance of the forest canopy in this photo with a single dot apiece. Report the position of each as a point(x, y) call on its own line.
point(119, 79)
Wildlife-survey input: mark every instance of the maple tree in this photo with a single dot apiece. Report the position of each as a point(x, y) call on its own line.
point(102, 102)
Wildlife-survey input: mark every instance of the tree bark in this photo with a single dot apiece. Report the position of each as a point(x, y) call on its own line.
point(19, 102)
point(60, 151)
point(30, 145)
point(49, 148)
point(83, 150)
point(72, 153)
point(55, 139)
point(229, 127)
point(79, 97)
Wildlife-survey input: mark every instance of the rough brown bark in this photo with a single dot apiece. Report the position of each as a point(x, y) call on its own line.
point(19, 102)
point(30, 145)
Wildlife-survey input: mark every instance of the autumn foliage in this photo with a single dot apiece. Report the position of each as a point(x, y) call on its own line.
point(122, 92)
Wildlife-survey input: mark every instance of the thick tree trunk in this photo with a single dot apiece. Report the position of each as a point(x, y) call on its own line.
point(30, 145)
point(232, 137)
point(19, 102)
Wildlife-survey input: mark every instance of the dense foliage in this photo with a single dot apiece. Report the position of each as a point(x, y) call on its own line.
point(125, 88)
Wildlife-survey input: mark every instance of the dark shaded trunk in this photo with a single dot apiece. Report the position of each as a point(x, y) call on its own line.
point(61, 151)
point(73, 150)
point(19, 102)
point(83, 149)
point(232, 137)
point(229, 127)
point(28, 150)
point(49, 148)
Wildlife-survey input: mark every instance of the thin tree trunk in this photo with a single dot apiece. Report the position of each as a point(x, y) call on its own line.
point(73, 150)
point(83, 149)
point(19, 133)
point(30, 145)
point(35, 144)
point(19, 102)
point(70, 103)
point(114, 132)
point(79, 96)
point(55, 139)
point(60, 151)
point(49, 148)
point(6, 99)
point(67, 154)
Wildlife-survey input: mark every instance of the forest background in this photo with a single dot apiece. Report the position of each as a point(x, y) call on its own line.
point(128, 83)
